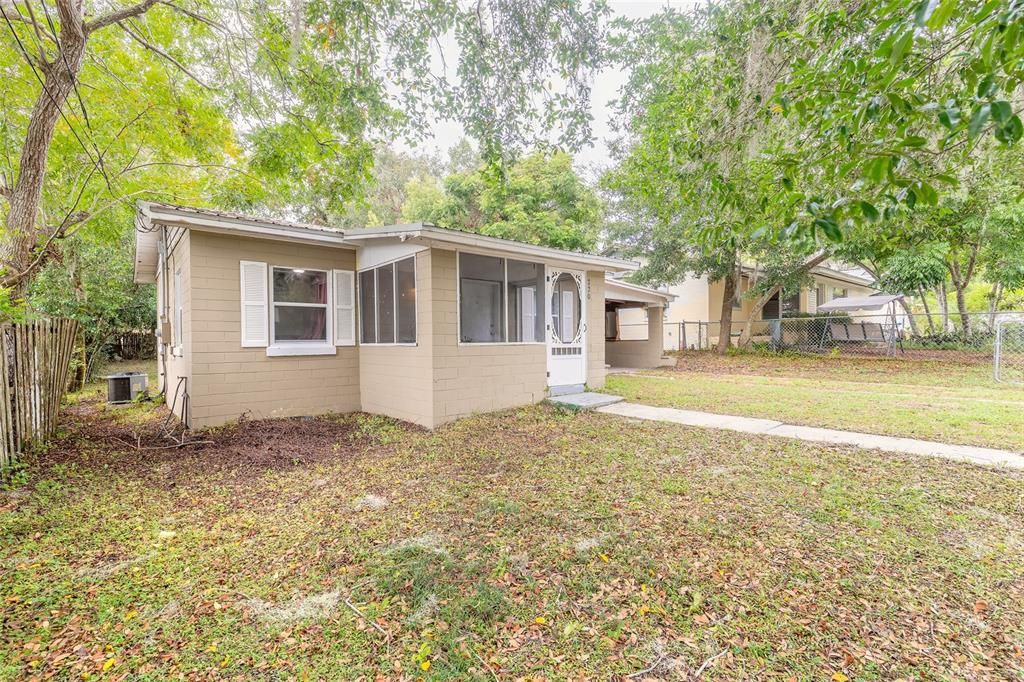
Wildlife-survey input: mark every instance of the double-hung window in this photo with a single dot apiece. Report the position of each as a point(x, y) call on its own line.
point(500, 300)
point(296, 311)
point(387, 303)
point(301, 309)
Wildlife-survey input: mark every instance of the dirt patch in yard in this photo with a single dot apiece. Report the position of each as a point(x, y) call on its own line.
point(97, 435)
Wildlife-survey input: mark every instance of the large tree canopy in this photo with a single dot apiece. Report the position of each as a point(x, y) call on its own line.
point(257, 104)
point(891, 99)
point(541, 200)
point(693, 168)
point(772, 131)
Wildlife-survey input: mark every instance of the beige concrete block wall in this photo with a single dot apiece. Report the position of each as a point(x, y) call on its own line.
point(632, 324)
point(398, 381)
point(178, 361)
point(595, 330)
point(639, 353)
point(472, 378)
point(229, 380)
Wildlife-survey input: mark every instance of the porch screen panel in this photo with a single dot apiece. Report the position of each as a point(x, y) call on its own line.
point(386, 304)
point(367, 308)
point(481, 299)
point(405, 284)
point(525, 288)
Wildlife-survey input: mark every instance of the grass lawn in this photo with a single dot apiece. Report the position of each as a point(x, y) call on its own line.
point(916, 399)
point(532, 544)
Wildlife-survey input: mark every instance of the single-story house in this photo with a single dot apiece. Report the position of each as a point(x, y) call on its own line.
point(697, 300)
point(274, 318)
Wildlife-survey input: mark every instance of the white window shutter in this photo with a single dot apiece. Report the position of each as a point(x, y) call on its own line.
point(255, 315)
point(344, 308)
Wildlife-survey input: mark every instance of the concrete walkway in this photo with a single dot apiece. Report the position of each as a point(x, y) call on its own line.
point(768, 427)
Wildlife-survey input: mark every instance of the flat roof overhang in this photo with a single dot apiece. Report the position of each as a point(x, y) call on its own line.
point(635, 296)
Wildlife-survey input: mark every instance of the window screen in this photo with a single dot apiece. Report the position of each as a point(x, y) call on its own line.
point(387, 301)
point(386, 304)
point(525, 288)
point(481, 298)
point(405, 287)
point(791, 303)
point(367, 308)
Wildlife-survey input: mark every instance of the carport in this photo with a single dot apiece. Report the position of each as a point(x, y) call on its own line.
point(634, 353)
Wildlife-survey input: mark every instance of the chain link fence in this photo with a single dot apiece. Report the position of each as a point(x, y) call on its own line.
point(1008, 354)
point(976, 338)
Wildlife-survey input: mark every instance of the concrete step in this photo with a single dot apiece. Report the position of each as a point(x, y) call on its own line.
point(584, 400)
point(567, 389)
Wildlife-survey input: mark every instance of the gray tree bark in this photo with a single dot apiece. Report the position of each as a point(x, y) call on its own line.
point(730, 284)
point(59, 75)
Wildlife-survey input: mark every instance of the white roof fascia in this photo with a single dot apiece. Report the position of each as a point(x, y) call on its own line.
point(617, 290)
point(845, 277)
point(146, 254)
point(165, 215)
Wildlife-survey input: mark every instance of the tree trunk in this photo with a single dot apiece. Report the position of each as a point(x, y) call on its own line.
point(943, 306)
point(910, 316)
point(758, 306)
point(993, 306)
point(961, 307)
point(961, 278)
point(730, 284)
point(59, 78)
point(927, 312)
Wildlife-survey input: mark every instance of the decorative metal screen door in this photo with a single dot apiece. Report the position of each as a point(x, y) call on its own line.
point(566, 328)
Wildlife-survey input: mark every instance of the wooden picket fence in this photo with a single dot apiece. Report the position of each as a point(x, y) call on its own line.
point(133, 345)
point(34, 361)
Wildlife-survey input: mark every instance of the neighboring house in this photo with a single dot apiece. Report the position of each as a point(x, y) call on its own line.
point(697, 300)
point(271, 318)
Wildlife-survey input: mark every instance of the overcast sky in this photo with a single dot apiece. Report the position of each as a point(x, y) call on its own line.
point(605, 88)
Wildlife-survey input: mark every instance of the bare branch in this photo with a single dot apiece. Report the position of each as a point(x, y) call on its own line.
point(119, 15)
point(218, 166)
point(41, 38)
point(156, 50)
point(16, 14)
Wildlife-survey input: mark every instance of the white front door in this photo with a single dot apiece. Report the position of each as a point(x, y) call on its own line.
point(566, 327)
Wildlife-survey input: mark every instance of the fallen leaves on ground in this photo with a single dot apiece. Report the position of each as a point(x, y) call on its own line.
point(527, 544)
